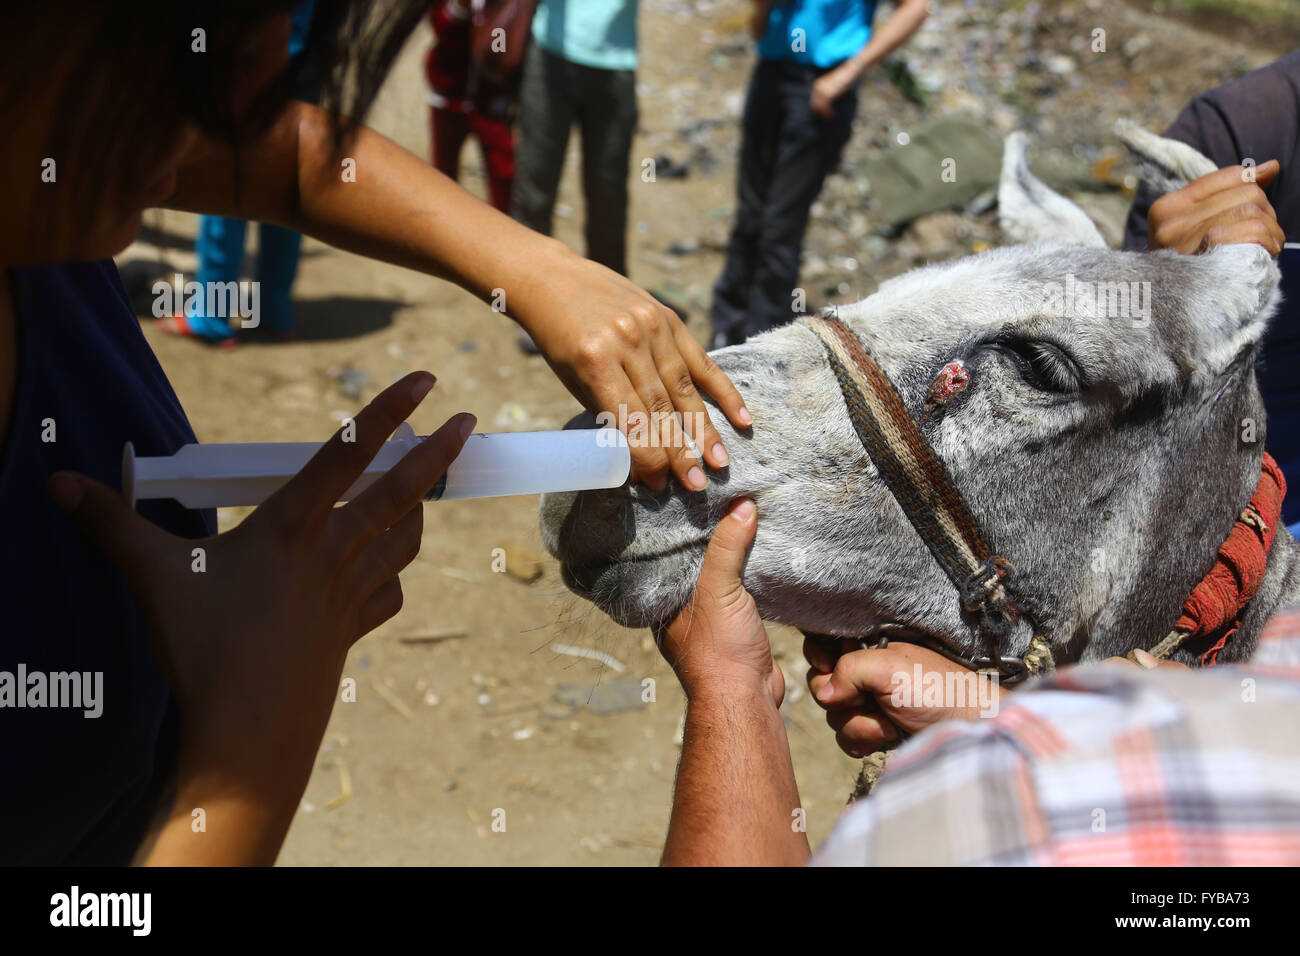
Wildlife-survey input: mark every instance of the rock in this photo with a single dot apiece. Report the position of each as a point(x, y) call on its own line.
point(672, 296)
point(910, 182)
point(607, 697)
point(667, 168)
point(703, 161)
point(1060, 64)
point(351, 382)
point(511, 415)
point(660, 261)
point(523, 564)
point(814, 266)
point(1135, 46)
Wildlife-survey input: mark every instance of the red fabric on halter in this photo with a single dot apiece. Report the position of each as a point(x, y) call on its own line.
point(1215, 605)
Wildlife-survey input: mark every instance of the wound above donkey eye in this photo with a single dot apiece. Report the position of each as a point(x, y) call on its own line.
point(952, 378)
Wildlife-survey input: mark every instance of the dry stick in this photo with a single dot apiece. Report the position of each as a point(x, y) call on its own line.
point(433, 637)
point(392, 699)
point(345, 787)
point(590, 654)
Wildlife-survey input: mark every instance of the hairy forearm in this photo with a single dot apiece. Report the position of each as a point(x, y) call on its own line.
point(736, 802)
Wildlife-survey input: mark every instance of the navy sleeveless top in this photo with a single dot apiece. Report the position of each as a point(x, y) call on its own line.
point(76, 789)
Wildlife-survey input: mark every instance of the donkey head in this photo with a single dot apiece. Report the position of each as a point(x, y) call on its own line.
point(1096, 408)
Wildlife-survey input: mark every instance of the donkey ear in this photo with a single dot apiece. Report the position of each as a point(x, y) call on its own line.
point(1030, 212)
point(1165, 165)
point(1227, 297)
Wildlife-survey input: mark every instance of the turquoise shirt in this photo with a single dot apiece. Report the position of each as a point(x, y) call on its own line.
point(817, 32)
point(599, 33)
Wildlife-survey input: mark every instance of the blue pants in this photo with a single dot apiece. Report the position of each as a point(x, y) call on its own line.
point(220, 249)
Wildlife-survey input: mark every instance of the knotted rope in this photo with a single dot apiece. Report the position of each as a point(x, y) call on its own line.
point(920, 483)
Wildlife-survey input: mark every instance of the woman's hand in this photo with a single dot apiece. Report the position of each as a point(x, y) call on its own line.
point(717, 644)
point(252, 633)
point(874, 697)
point(619, 350)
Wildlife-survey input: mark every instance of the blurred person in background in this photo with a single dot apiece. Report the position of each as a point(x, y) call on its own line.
point(580, 69)
point(1250, 128)
point(473, 79)
point(798, 117)
point(220, 245)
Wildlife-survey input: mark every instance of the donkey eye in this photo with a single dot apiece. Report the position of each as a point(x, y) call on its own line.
point(1044, 365)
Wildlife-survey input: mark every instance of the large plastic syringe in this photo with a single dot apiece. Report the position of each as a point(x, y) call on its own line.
point(489, 466)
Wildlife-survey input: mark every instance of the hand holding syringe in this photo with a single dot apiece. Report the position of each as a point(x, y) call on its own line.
point(490, 465)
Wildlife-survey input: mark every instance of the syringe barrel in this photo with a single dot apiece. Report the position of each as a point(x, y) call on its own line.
point(532, 463)
point(491, 465)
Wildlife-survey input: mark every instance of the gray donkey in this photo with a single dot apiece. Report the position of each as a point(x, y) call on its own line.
point(1097, 409)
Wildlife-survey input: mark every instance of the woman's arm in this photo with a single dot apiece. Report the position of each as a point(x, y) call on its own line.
point(612, 344)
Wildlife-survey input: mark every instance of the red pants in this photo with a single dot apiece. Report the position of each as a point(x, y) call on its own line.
point(451, 128)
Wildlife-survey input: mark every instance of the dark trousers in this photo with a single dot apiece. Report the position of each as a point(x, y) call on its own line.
point(554, 94)
point(786, 153)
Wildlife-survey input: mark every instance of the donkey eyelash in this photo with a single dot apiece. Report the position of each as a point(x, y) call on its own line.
point(1044, 364)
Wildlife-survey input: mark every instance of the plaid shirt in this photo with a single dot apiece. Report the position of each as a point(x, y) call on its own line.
point(1102, 766)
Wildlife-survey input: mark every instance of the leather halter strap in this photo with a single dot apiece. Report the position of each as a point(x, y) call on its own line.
point(925, 491)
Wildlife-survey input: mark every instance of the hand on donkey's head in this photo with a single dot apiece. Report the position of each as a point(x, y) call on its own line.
point(717, 643)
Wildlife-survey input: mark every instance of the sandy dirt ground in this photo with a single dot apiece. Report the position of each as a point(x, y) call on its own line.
point(465, 713)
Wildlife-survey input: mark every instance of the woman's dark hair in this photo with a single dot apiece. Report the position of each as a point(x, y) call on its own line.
point(183, 59)
point(349, 50)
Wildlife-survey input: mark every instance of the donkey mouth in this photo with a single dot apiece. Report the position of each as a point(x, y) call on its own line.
point(636, 590)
